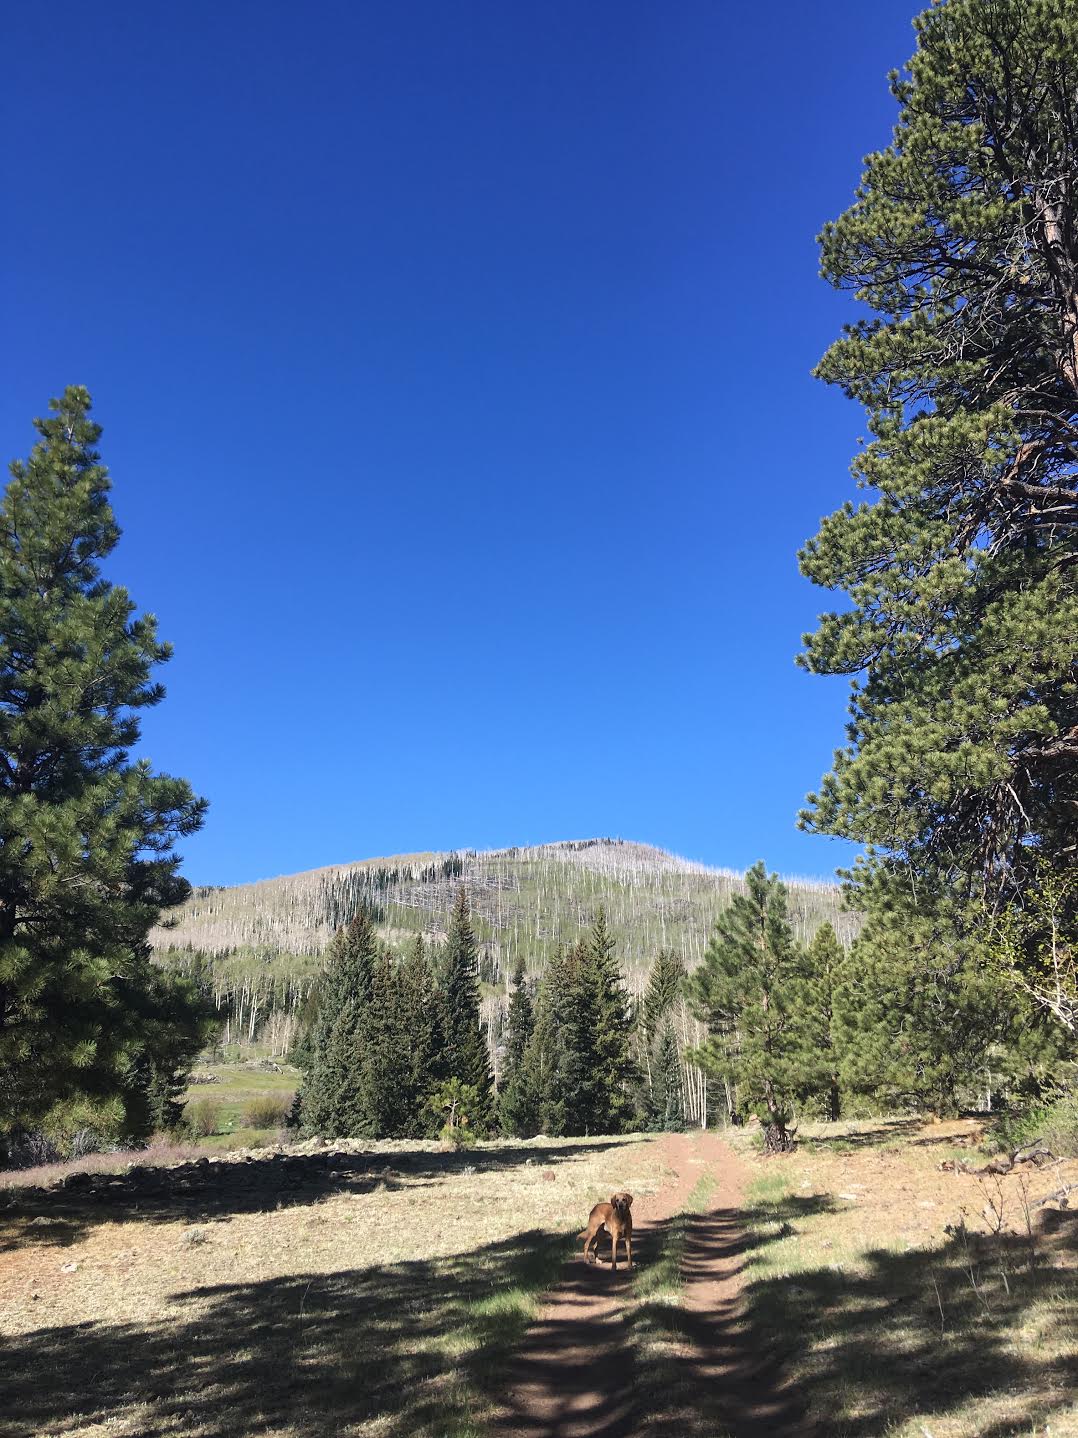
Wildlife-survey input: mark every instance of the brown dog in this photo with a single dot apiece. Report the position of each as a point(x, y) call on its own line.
point(618, 1222)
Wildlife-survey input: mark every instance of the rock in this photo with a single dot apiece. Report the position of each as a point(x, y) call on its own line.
point(548, 1175)
point(79, 1181)
point(69, 1268)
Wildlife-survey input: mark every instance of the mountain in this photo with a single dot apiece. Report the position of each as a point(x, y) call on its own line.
point(525, 902)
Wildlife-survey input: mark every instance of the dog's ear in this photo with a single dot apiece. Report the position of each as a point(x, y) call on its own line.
point(628, 1200)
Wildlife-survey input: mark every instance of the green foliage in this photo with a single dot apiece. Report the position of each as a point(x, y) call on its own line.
point(825, 963)
point(87, 862)
point(267, 1111)
point(400, 1044)
point(515, 1108)
point(666, 1101)
point(963, 241)
point(922, 1005)
point(177, 1018)
point(600, 1072)
point(335, 1097)
point(750, 991)
point(464, 1053)
point(461, 1109)
point(659, 1056)
point(576, 1074)
point(203, 1117)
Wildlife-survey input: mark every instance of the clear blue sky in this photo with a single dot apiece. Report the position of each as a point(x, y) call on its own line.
point(454, 367)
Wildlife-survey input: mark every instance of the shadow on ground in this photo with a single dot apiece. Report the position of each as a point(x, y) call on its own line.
point(203, 1190)
point(976, 1320)
point(409, 1346)
point(311, 1354)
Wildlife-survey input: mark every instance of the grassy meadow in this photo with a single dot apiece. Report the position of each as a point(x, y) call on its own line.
point(361, 1289)
point(903, 1300)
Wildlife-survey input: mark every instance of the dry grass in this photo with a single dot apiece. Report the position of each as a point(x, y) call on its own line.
point(366, 1290)
point(909, 1301)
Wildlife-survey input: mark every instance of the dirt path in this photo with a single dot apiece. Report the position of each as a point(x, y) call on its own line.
point(575, 1374)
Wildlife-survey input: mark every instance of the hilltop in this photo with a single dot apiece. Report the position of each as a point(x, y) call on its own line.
point(525, 901)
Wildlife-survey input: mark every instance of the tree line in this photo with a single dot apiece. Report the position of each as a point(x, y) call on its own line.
point(394, 1047)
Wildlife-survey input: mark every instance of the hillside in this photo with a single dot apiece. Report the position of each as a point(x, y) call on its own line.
point(525, 901)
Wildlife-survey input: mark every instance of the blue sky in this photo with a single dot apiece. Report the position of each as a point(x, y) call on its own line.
point(454, 363)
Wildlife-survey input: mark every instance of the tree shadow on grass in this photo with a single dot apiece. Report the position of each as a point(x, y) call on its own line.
point(924, 1333)
point(410, 1345)
point(202, 1190)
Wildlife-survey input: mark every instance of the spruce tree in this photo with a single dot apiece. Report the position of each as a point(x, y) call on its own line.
point(666, 1103)
point(420, 1065)
point(335, 1099)
point(465, 1055)
point(541, 1102)
point(87, 858)
point(516, 1112)
point(962, 569)
point(606, 1046)
point(749, 992)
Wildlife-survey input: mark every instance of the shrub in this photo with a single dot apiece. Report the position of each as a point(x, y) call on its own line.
point(267, 1111)
point(202, 1117)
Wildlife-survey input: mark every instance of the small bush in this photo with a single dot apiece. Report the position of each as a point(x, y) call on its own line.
point(202, 1117)
point(268, 1111)
point(1055, 1124)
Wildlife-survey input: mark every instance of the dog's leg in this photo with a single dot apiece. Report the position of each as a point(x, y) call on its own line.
point(614, 1249)
point(628, 1250)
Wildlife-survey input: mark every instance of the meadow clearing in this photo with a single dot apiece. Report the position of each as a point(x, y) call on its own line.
point(391, 1288)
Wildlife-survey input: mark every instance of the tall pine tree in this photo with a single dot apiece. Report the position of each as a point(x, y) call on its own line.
point(962, 769)
point(464, 1051)
point(87, 858)
point(749, 991)
point(336, 1097)
point(515, 1107)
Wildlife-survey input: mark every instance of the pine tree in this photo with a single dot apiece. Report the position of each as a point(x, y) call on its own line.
point(87, 862)
point(824, 963)
point(666, 1104)
point(920, 1004)
point(541, 1094)
point(749, 990)
point(607, 1049)
point(335, 1097)
point(516, 1111)
point(465, 1050)
point(963, 571)
point(420, 1066)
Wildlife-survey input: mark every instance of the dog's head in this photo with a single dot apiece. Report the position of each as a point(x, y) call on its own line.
point(621, 1203)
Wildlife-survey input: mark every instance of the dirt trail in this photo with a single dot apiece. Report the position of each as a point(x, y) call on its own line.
point(574, 1376)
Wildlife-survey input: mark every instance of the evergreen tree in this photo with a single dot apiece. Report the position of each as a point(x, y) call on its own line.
point(419, 1065)
point(921, 1004)
point(749, 991)
point(666, 1103)
point(963, 240)
point(465, 1055)
point(666, 984)
point(87, 862)
point(824, 965)
point(516, 1111)
point(336, 1093)
point(540, 1095)
point(602, 1036)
